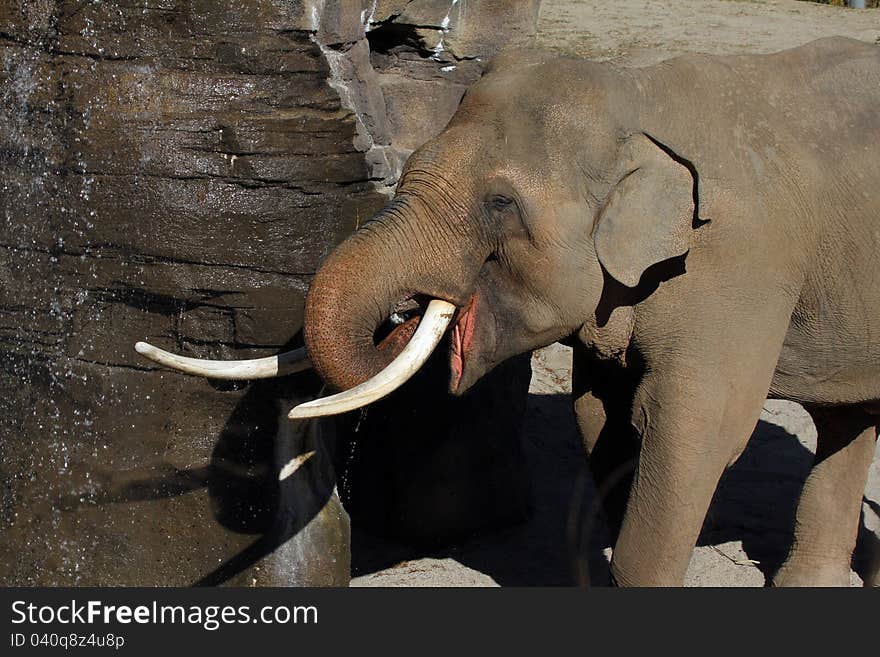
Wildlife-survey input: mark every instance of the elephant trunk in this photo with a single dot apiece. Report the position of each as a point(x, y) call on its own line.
point(378, 272)
point(342, 313)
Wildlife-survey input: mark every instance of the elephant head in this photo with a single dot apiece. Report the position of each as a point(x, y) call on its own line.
point(517, 214)
point(541, 195)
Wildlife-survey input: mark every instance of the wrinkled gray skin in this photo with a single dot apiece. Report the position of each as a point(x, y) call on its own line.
point(704, 232)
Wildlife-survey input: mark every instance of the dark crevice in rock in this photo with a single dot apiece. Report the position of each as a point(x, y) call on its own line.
point(341, 46)
point(56, 52)
point(120, 366)
point(388, 36)
point(97, 251)
point(142, 299)
point(248, 183)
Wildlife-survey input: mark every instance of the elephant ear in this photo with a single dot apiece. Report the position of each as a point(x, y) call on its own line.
point(648, 216)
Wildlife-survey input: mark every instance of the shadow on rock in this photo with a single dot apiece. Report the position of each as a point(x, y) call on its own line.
point(298, 518)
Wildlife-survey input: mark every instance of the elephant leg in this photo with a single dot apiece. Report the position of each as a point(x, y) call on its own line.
point(691, 427)
point(612, 452)
point(828, 513)
point(609, 440)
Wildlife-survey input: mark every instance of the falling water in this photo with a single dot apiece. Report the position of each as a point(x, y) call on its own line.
point(156, 183)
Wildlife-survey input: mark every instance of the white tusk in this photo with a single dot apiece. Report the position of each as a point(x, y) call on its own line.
point(436, 319)
point(234, 370)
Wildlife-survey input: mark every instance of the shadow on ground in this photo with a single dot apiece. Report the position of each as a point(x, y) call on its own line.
point(754, 504)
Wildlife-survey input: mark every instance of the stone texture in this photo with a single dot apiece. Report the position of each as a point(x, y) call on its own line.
point(176, 172)
point(427, 52)
point(417, 107)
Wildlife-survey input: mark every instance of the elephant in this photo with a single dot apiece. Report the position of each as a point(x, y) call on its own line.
point(703, 232)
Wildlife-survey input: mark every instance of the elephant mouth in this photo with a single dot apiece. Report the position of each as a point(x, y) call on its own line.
point(462, 338)
point(392, 336)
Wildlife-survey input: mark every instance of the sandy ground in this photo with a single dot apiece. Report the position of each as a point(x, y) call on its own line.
point(644, 32)
point(746, 532)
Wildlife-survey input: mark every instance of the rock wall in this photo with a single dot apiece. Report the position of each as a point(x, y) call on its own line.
point(404, 65)
point(175, 172)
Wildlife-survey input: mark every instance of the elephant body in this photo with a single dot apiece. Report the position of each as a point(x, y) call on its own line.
point(780, 299)
point(787, 158)
point(704, 232)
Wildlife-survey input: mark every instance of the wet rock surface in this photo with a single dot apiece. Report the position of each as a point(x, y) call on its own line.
point(171, 172)
point(176, 172)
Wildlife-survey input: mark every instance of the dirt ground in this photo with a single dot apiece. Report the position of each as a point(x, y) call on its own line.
point(644, 32)
point(746, 532)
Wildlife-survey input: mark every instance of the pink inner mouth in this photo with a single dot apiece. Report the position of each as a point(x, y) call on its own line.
point(462, 336)
point(395, 342)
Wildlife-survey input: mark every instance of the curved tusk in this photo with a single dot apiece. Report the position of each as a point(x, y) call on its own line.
point(233, 370)
point(431, 328)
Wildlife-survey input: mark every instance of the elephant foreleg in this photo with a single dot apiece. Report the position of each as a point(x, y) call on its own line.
point(691, 428)
point(608, 436)
point(612, 450)
point(828, 512)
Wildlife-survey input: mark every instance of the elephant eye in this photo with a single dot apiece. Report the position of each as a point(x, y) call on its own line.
point(499, 202)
